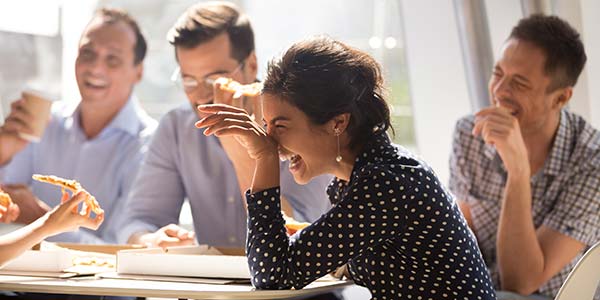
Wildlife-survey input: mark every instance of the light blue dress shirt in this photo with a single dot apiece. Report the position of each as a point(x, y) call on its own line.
point(183, 163)
point(105, 165)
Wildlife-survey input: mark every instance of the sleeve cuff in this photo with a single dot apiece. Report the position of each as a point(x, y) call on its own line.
point(583, 235)
point(265, 201)
point(134, 227)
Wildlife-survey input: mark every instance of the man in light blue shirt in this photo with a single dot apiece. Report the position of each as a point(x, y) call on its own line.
point(211, 40)
point(100, 143)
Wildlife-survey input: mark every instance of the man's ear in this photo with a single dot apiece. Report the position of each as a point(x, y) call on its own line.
point(339, 123)
point(139, 71)
point(563, 97)
point(251, 65)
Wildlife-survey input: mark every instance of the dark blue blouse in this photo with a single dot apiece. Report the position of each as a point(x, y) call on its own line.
point(394, 224)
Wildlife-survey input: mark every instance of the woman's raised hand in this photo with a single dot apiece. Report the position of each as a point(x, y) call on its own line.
point(223, 120)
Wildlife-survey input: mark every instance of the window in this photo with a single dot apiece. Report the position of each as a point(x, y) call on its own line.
point(372, 26)
point(31, 51)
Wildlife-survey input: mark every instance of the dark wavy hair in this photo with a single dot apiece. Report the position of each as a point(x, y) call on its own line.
point(324, 78)
point(565, 54)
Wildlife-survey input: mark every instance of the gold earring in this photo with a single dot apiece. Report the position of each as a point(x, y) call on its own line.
point(337, 132)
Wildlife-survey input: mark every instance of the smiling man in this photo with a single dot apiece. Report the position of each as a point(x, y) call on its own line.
point(526, 171)
point(100, 143)
point(211, 40)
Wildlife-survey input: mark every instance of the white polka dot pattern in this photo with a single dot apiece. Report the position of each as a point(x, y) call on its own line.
point(394, 224)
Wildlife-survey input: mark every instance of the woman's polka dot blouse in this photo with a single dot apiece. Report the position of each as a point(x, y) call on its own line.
point(398, 229)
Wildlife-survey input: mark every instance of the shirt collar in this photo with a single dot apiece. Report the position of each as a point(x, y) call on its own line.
point(126, 120)
point(374, 151)
point(561, 147)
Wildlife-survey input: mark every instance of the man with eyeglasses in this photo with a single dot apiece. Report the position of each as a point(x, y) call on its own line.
point(211, 40)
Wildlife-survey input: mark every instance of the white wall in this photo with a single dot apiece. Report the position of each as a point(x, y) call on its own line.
point(438, 87)
point(503, 15)
point(571, 11)
point(75, 16)
point(590, 10)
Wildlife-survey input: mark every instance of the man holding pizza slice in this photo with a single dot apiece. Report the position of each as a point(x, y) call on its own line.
point(214, 47)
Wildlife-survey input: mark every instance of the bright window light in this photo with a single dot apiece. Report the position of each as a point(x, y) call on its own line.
point(375, 42)
point(37, 17)
point(390, 42)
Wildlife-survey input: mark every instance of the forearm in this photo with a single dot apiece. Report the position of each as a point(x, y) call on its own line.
point(4, 159)
point(266, 173)
point(520, 257)
point(4, 156)
point(243, 165)
point(286, 207)
point(16, 242)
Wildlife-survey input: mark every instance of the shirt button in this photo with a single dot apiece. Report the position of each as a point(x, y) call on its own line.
point(230, 199)
point(232, 239)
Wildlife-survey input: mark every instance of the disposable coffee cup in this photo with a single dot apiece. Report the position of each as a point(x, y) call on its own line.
point(38, 105)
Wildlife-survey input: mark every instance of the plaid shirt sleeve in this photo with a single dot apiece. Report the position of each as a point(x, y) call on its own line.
point(577, 211)
point(460, 179)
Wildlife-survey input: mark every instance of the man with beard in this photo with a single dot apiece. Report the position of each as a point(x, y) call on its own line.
point(526, 171)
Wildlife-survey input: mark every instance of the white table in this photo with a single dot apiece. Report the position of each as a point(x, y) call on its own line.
point(160, 289)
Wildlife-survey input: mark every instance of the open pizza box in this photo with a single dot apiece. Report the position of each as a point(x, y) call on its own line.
point(64, 260)
point(204, 264)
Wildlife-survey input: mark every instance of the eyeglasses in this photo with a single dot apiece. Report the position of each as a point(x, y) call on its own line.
point(204, 87)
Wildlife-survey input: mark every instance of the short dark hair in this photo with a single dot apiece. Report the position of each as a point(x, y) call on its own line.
point(204, 21)
point(113, 15)
point(565, 54)
point(324, 78)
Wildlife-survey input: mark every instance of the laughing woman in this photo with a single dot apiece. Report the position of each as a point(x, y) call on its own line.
point(393, 223)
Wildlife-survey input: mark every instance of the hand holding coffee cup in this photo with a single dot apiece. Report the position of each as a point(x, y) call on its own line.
point(38, 108)
point(25, 123)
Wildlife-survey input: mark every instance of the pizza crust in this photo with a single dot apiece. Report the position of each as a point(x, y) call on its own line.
point(5, 200)
point(90, 203)
point(238, 89)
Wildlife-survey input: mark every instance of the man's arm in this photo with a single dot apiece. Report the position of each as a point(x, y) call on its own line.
point(466, 211)
point(527, 256)
point(460, 176)
point(31, 207)
point(19, 120)
point(15, 177)
point(157, 193)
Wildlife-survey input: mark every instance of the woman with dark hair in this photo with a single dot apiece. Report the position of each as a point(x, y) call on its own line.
point(393, 224)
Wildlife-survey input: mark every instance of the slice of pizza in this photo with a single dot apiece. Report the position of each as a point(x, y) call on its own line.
point(90, 203)
point(292, 226)
point(69, 184)
point(238, 89)
point(5, 200)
